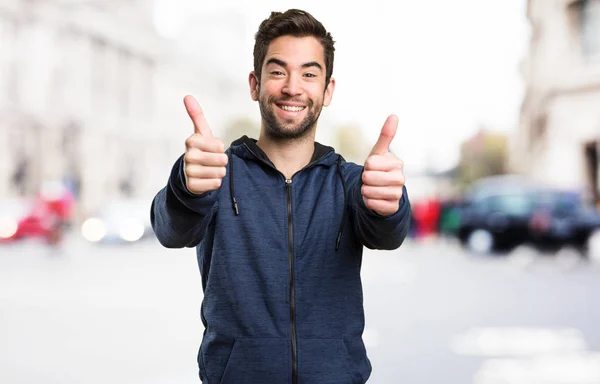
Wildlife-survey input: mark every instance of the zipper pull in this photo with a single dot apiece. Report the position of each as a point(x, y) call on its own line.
point(288, 182)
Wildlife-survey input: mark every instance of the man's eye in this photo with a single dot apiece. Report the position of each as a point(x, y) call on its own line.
point(310, 75)
point(276, 73)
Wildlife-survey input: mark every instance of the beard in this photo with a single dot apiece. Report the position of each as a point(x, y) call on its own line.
point(286, 130)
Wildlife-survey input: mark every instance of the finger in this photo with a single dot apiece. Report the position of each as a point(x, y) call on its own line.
point(206, 144)
point(386, 136)
point(383, 163)
point(203, 172)
point(195, 112)
point(383, 179)
point(206, 159)
point(383, 207)
point(382, 193)
point(203, 185)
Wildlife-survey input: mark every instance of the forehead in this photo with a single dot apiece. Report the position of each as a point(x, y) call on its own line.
point(296, 51)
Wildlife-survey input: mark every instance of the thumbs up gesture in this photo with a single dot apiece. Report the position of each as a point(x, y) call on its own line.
point(205, 158)
point(383, 176)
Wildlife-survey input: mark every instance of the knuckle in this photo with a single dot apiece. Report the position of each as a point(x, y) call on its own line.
point(191, 185)
point(189, 168)
point(224, 159)
point(188, 157)
point(193, 141)
point(217, 183)
point(400, 179)
point(370, 204)
point(192, 155)
point(366, 177)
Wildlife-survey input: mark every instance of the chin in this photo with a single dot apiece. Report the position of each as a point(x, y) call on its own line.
point(287, 133)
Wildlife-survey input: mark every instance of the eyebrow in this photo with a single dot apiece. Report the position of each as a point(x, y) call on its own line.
point(284, 64)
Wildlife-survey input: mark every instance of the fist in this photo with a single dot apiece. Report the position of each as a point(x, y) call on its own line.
point(383, 176)
point(205, 159)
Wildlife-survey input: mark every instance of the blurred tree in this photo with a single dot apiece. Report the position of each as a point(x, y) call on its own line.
point(238, 128)
point(484, 154)
point(350, 142)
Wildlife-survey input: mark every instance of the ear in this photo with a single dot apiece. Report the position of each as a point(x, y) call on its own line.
point(253, 83)
point(329, 92)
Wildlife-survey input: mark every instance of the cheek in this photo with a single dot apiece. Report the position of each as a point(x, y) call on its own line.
point(316, 93)
point(269, 88)
point(317, 97)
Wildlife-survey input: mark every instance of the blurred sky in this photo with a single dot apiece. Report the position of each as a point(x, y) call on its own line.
point(444, 67)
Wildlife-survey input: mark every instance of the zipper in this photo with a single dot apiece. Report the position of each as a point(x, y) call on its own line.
point(270, 165)
point(288, 187)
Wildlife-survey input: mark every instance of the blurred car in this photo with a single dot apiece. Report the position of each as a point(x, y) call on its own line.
point(561, 218)
point(495, 221)
point(121, 221)
point(45, 216)
point(502, 213)
point(26, 218)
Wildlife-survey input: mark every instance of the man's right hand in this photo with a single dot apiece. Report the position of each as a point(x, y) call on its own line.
point(205, 157)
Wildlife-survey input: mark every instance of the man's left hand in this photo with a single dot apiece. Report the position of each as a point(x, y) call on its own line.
point(383, 176)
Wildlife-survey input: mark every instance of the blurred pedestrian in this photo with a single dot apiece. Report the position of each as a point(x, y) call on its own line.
point(279, 223)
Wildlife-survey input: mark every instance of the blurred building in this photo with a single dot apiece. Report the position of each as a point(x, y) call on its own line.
point(558, 140)
point(76, 94)
point(91, 95)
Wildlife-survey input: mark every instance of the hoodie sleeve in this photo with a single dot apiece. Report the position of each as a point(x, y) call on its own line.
point(373, 230)
point(179, 217)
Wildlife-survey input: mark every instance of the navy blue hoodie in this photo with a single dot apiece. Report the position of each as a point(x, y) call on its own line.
point(280, 263)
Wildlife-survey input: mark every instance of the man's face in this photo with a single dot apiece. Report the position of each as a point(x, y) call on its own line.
point(292, 88)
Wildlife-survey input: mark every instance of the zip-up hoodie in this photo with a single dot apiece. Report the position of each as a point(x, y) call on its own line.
point(280, 263)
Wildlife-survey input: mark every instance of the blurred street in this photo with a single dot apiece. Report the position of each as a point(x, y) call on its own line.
point(499, 134)
point(130, 314)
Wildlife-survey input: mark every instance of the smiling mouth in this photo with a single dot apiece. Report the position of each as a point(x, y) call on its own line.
point(291, 108)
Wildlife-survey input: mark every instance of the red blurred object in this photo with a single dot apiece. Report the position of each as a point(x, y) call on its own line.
point(47, 216)
point(426, 214)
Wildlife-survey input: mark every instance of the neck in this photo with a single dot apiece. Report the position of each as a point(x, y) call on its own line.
point(288, 156)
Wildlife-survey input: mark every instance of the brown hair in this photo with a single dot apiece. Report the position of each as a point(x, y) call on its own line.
point(293, 22)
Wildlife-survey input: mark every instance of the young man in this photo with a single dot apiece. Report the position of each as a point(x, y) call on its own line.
point(279, 223)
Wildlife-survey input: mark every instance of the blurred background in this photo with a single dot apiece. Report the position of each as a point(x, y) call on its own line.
point(499, 106)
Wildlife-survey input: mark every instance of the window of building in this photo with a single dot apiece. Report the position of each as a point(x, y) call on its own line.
point(590, 28)
point(8, 63)
point(99, 74)
point(124, 84)
point(538, 130)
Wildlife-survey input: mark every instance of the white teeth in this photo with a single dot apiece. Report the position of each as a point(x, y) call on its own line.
point(291, 109)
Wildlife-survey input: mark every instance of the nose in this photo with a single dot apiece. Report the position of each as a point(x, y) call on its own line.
point(293, 86)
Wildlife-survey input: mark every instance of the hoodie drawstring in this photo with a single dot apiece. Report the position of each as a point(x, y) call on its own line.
point(339, 235)
point(338, 239)
point(231, 190)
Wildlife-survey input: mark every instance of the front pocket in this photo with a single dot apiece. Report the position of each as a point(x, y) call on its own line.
point(259, 361)
point(324, 361)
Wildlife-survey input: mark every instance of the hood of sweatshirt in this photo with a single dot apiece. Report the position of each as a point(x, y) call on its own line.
point(246, 148)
